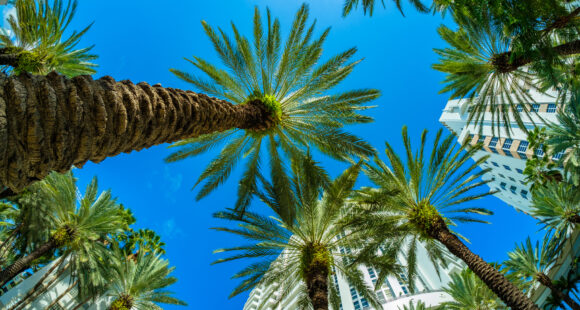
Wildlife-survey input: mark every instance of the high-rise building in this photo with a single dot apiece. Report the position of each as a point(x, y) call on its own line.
point(508, 155)
point(393, 293)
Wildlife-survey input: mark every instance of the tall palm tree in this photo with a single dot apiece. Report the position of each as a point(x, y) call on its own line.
point(293, 85)
point(305, 245)
point(419, 305)
point(469, 293)
point(289, 105)
point(140, 283)
point(75, 227)
point(369, 6)
point(533, 262)
point(557, 206)
point(494, 70)
point(35, 41)
point(430, 191)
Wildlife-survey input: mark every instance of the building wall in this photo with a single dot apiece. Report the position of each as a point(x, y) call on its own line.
point(508, 155)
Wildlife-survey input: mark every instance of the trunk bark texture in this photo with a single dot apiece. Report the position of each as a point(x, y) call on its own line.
point(317, 284)
point(49, 123)
point(22, 304)
point(61, 296)
point(505, 64)
point(23, 263)
point(547, 282)
point(575, 218)
point(505, 290)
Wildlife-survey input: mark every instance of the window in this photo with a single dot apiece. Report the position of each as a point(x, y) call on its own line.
point(551, 108)
point(523, 147)
point(493, 142)
point(480, 139)
point(536, 107)
point(502, 185)
point(403, 282)
point(364, 303)
point(512, 179)
point(501, 175)
point(494, 163)
point(381, 297)
point(507, 144)
point(524, 193)
point(519, 108)
point(513, 189)
point(507, 167)
point(558, 155)
point(523, 183)
point(520, 171)
point(540, 151)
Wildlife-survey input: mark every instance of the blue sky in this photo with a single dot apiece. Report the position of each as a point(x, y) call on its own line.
point(141, 40)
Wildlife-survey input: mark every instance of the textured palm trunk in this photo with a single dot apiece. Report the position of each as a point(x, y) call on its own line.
point(23, 263)
point(317, 284)
point(545, 280)
point(505, 64)
point(49, 123)
point(505, 290)
point(575, 218)
point(39, 289)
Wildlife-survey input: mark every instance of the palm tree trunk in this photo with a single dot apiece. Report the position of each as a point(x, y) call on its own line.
point(39, 289)
point(80, 304)
point(49, 123)
point(317, 284)
point(23, 263)
point(505, 290)
point(545, 280)
point(575, 218)
point(505, 64)
point(61, 295)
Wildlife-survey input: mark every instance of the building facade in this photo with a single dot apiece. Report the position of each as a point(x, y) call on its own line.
point(393, 294)
point(507, 155)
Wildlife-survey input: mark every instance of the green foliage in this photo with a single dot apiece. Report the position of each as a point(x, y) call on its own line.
point(369, 6)
point(420, 305)
point(37, 36)
point(291, 79)
point(469, 292)
point(140, 283)
point(286, 247)
point(411, 196)
point(556, 204)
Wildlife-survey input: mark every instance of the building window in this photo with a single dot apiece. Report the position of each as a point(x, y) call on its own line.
point(494, 163)
point(520, 171)
point(558, 155)
point(381, 297)
point(524, 194)
point(540, 151)
point(522, 148)
point(519, 108)
point(501, 175)
point(493, 142)
point(523, 183)
point(551, 108)
point(502, 185)
point(480, 139)
point(507, 144)
point(536, 107)
point(512, 179)
point(513, 189)
point(507, 168)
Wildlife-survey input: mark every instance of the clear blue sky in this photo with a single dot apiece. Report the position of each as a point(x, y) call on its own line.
point(141, 40)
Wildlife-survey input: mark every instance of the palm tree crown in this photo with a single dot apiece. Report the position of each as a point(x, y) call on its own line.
point(289, 80)
point(302, 244)
point(557, 206)
point(469, 293)
point(36, 38)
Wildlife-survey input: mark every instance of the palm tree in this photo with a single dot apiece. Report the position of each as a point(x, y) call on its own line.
point(533, 262)
point(36, 41)
point(76, 226)
point(557, 206)
point(288, 105)
point(420, 305)
point(369, 6)
point(140, 283)
point(429, 191)
point(292, 86)
point(469, 293)
point(495, 70)
point(305, 246)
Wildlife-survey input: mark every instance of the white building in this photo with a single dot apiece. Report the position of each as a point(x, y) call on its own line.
point(507, 155)
point(394, 292)
point(60, 291)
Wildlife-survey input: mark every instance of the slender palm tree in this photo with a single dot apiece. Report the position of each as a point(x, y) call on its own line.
point(534, 262)
point(419, 305)
point(75, 226)
point(430, 191)
point(469, 293)
point(288, 105)
point(293, 85)
point(305, 246)
point(140, 283)
point(369, 6)
point(35, 40)
point(557, 206)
